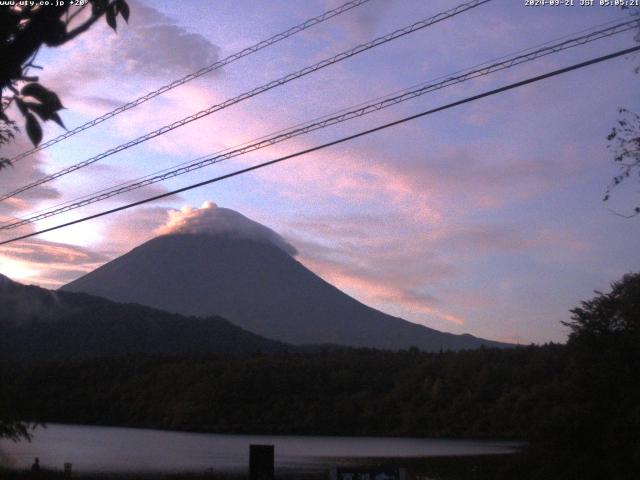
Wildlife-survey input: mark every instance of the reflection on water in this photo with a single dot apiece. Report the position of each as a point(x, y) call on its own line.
point(106, 449)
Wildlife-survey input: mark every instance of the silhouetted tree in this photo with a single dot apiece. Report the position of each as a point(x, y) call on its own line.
point(624, 141)
point(9, 427)
point(610, 317)
point(595, 431)
point(24, 29)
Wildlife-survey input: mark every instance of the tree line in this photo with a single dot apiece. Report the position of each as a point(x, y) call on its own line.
point(576, 405)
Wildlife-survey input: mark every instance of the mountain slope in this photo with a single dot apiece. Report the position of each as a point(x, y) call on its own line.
point(40, 324)
point(258, 286)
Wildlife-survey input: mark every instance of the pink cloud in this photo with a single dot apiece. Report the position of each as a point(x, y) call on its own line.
point(423, 188)
point(375, 292)
point(22, 172)
point(128, 229)
point(373, 259)
point(47, 264)
point(390, 261)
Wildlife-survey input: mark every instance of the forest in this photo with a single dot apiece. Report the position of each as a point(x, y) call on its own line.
point(482, 393)
point(577, 406)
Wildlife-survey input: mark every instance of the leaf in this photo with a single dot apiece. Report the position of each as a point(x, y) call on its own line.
point(98, 6)
point(45, 113)
point(34, 90)
point(43, 94)
point(39, 109)
point(21, 106)
point(110, 15)
point(54, 33)
point(123, 8)
point(33, 129)
point(56, 118)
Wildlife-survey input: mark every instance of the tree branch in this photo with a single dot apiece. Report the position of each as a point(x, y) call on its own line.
point(86, 25)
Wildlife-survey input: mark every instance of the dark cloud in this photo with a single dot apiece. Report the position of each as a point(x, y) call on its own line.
point(151, 45)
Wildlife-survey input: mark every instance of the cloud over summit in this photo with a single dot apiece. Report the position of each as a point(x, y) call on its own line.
point(210, 219)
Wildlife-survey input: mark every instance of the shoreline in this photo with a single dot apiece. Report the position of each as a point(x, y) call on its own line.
point(449, 467)
point(517, 442)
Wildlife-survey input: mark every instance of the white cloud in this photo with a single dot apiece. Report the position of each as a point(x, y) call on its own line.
point(213, 220)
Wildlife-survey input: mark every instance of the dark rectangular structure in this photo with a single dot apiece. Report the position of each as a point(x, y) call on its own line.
point(261, 462)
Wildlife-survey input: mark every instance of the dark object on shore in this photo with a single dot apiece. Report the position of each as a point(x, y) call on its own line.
point(261, 462)
point(35, 468)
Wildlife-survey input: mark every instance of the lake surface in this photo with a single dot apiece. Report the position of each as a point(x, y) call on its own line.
point(107, 449)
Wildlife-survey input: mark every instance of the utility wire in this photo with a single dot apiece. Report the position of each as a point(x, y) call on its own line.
point(351, 107)
point(345, 109)
point(335, 142)
point(256, 91)
point(324, 122)
point(192, 76)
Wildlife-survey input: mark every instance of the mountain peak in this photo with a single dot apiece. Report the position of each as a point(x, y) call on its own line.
point(210, 219)
point(258, 287)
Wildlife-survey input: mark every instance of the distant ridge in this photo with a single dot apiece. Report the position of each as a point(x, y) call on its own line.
point(39, 324)
point(257, 285)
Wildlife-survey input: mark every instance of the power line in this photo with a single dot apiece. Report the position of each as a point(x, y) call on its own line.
point(323, 122)
point(531, 49)
point(335, 142)
point(192, 76)
point(256, 91)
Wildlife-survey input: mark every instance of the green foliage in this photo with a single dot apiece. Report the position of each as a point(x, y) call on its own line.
point(23, 30)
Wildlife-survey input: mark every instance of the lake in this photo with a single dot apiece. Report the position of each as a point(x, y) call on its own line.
point(123, 450)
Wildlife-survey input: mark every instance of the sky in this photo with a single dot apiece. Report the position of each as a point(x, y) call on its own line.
point(485, 219)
